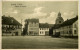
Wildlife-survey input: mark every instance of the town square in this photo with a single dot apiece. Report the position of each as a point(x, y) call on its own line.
point(40, 25)
point(38, 42)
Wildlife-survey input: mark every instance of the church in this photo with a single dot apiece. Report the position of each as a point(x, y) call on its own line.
point(68, 28)
point(59, 20)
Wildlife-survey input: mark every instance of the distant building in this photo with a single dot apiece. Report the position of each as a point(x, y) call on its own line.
point(10, 26)
point(59, 19)
point(67, 28)
point(56, 30)
point(32, 26)
point(44, 29)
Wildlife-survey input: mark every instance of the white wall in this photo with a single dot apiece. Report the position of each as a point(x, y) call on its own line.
point(19, 31)
point(54, 31)
point(43, 30)
point(75, 28)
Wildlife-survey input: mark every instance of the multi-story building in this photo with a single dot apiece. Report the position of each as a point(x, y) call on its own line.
point(59, 20)
point(10, 26)
point(44, 29)
point(56, 30)
point(67, 28)
point(32, 26)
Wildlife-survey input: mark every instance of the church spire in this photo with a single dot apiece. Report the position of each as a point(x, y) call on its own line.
point(59, 19)
point(59, 14)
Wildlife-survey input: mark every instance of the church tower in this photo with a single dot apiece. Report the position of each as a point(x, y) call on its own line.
point(59, 19)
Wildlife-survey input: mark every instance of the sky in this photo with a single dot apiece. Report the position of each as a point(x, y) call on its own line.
point(45, 11)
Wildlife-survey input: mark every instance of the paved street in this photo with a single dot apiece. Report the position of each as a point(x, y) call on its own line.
point(38, 42)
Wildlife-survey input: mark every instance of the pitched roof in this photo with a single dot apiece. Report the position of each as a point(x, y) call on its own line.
point(45, 25)
point(56, 26)
point(51, 25)
point(69, 22)
point(9, 21)
point(65, 23)
point(32, 20)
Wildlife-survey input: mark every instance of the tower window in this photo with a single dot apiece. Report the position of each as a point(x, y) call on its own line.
point(59, 21)
point(75, 31)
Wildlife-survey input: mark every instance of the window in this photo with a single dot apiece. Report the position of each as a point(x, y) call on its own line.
point(74, 25)
point(19, 26)
point(30, 23)
point(74, 31)
point(30, 32)
point(40, 28)
point(70, 32)
point(7, 26)
point(35, 22)
point(40, 32)
point(47, 28)
point(59, 21)
point(12, 21)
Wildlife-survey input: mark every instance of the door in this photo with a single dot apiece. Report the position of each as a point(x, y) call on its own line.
point(16, 34)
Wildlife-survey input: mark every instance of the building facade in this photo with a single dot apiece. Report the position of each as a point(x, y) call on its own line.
point(71, 28)
point(33, 27)
point(67, 28)
point(59, 20)
point(44, 29)
point(11, 27)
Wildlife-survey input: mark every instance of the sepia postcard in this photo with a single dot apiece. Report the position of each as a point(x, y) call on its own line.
point(39, 24)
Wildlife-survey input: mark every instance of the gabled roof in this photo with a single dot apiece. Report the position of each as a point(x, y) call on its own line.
point(51, 25)
point(45, 25)
point(32, 20)
point(56, 26)
point(65, 23)
point(69, 22)
point(9, 21)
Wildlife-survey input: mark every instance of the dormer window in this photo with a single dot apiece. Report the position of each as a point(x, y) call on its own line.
point(11, 21)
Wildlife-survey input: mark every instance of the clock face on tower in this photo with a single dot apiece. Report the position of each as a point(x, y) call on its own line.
point(59, 21)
